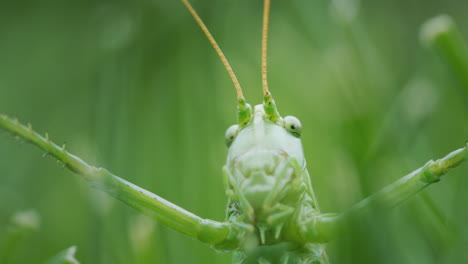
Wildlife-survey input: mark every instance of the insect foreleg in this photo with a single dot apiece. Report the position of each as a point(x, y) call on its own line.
point(218, 234)
point(323, 227)
point(404, 188)
point(233, 192)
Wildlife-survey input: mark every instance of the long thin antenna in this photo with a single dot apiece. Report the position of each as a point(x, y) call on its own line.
point(216, 47)
point(269, 104)
point(266, 15)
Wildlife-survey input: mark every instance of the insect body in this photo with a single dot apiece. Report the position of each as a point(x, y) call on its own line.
point(268, 186)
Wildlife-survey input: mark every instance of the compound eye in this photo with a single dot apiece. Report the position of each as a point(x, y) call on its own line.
point(293, 125)
point(231, 134)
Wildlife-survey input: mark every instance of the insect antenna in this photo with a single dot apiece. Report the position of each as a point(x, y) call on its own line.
point(266, 16)
point(268, 103)
point(243, 108)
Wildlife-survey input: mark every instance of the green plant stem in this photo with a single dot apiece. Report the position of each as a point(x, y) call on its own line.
point(218, 234)
point(12, 239)
point(442, 34)
point(21, 225)
point(325, 227)
point(66, 256)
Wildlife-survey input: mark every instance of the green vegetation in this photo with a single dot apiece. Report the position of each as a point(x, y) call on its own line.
point(134, 87)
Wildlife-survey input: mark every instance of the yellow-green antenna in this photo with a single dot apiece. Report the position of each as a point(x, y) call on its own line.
point(244, 109)
point(216, 47)
point(266, 16)
point(268, 103)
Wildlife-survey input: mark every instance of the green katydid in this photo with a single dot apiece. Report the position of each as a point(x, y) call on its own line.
point(272, 214)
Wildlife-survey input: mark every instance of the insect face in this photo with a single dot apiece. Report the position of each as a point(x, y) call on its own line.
point(261, 134)
point(259, 161)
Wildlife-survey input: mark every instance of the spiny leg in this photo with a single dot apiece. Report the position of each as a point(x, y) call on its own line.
point(324, 227)
point(218, 234)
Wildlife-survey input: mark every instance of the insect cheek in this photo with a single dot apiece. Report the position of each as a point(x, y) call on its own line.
point(293, 125)
point(231, 134)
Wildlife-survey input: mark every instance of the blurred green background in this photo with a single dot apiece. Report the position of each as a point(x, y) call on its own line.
point(134, 86)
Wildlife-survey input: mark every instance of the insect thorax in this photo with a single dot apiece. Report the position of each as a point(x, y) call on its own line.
point(267, 189)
